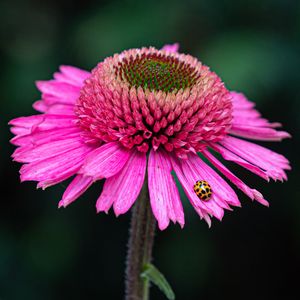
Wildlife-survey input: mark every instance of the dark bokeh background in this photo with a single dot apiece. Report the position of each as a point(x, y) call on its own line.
point(72, 253)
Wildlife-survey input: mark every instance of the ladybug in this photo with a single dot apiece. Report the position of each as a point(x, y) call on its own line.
point(203, 190)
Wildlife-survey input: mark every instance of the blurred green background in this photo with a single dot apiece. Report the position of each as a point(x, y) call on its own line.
point(73, 253)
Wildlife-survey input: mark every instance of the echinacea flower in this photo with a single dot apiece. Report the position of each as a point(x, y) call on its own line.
point(146, 111)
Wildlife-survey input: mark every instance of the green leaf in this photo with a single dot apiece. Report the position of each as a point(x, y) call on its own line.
point(151, 273)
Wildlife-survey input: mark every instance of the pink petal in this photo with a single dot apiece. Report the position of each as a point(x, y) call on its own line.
point(248, 123)
point(222, 192)
point(123, 188)
point(43, 122)
point(55, 169)
point(228, 155)
point(41, 137)
point(186, 184)
point(75, 189)
point(164, 195)
point(60, 109)
point(61, 90)
point(51, 100)
point(271, 162)
point(27, 122)
point(240, 101)
point(171, 47)
point(72, 75)
point(54, 109)
point(40, 106)
point(19, 131)
point(30, 153)
point(251, 193)
point(258, 133)
point(105, 161)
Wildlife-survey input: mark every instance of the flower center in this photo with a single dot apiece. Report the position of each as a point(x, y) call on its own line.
point(156, 71)
point(148, 98)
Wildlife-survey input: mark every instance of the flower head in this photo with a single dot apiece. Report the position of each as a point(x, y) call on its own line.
point(141, 109)
point(147, 98)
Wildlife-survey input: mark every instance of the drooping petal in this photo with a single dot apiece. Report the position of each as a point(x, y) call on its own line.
point(251, 193)
point(72, 75)
point(50, 100)
point(55, 169)
point(68, 93)
point(222, 192)
point(75, 189)
point(240, 102)
point(271, 162)
point(46, 136)
point(40, 106)
point(202, 211)
point(258, 133)
point(19, 131)
point(164, 195)
point(195, 169)
point(54, 109)
point(42, 122)
point(122, 189)
point(171, 47)
point(105, 161)
point(248, 123)
point(59, 95)
point(230, 156)
point(32, 153)
point(27, 122)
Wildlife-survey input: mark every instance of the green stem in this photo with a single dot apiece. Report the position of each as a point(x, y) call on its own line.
point(141, 239)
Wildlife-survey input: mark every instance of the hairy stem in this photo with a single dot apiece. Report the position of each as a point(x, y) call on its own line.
point(141, 238)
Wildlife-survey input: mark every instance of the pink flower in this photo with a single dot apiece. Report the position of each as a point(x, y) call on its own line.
point(146, 109)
